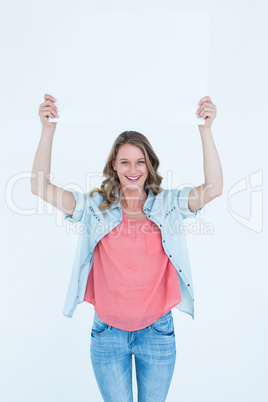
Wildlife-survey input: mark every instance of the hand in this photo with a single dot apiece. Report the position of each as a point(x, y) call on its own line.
point(46, 110)
point(207, 110)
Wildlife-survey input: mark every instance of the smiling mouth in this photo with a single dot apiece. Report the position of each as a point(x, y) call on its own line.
point(136, 178)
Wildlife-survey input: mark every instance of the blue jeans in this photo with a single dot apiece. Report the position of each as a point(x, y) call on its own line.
point(154, 350)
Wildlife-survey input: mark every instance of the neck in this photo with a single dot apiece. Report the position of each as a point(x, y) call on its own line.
point(132, 200)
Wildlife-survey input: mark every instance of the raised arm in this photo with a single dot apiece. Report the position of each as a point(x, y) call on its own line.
point(40, 180)
point(213, 185)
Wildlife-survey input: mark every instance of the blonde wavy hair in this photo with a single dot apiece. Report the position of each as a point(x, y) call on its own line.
point(111, 185)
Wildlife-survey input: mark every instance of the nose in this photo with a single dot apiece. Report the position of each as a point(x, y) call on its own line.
point(132, 169)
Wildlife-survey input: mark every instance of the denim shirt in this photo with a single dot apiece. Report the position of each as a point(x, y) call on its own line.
point(167, 210)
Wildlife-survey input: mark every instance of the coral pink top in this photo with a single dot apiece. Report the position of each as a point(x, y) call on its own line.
point(132, 282)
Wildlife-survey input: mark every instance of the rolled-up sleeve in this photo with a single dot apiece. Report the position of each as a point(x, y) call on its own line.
point(183, 197)
point(79, 207)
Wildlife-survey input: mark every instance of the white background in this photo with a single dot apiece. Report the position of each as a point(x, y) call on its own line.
point(127, 67)
point(222, 354)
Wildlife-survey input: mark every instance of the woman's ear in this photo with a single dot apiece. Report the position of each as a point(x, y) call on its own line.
point(113, 165)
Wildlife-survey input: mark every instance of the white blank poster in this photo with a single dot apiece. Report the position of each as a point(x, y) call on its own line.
point(140, 65)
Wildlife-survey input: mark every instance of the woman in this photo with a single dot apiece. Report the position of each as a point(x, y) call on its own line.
point(131, 260)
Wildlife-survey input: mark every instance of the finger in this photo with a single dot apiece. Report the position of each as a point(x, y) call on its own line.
point(47, 114)
point(49, 97)
point(206, 98)
point(207, 114)
point(49, 109)
point(205, 108)
point(207, 103)
point(47, 103)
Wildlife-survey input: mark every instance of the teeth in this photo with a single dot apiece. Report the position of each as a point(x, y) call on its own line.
point(133, 178)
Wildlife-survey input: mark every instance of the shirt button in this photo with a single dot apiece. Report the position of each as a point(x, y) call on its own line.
point(179, 270)
point(188, 284)
point(170, 255)
point(160, 225)
point(164, 241)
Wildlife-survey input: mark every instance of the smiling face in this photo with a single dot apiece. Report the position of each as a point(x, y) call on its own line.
point(130, 163)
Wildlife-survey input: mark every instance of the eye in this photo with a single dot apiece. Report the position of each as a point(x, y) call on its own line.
point(138, 162)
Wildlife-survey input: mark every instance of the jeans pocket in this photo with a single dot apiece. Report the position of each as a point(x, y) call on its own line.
point(163, 326)
point(99, 327)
